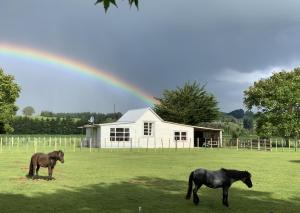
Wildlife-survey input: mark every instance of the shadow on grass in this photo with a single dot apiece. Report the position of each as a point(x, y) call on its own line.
point(152, 194)
point(39, 177)
point(294, 161)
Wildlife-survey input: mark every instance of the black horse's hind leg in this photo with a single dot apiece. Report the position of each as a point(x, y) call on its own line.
point(195, 196)
point(37, 170)
point(225, 196)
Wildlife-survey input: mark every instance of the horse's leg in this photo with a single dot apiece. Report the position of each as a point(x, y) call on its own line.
point(37, 170)
point(34, 165)
point(225, 196)
point(49, 173)
point(52, 168)
point(195, 196)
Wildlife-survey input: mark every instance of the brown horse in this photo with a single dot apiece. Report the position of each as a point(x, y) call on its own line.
point(44, 160)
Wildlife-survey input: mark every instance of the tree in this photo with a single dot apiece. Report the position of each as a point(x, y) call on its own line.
point(107, 3)
point(277, 101)
point(238, 113)
point(28, 111)
point(248, 123)
point(9, 92)
point(190, 104)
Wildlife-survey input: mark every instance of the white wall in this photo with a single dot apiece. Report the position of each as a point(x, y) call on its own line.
point(163, 134)
point(105, 135)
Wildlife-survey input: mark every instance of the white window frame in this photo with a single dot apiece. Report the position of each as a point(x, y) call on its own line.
point(151, 130)
point(180, 135)
point(119, 135)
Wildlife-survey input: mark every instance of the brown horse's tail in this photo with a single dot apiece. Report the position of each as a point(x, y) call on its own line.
point(30, 173)
point(190, 187)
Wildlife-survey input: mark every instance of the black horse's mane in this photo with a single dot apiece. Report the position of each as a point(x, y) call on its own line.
point(236, 174)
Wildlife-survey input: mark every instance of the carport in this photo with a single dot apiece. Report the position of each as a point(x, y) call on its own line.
point(207, 137)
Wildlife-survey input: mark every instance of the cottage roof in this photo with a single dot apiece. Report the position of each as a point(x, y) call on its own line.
point(134, 114)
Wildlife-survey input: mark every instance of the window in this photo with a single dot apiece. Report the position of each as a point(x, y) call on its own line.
point(180, 136)
point(119, 134)
point(148, 129)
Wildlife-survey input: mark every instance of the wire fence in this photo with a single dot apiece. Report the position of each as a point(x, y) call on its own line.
point(77, 143)
point(271, 144)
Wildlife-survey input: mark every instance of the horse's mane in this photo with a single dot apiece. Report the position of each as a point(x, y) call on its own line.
point(54, 154)
point(236, 174)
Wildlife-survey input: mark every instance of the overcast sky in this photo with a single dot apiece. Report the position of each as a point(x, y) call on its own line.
point(226, 45)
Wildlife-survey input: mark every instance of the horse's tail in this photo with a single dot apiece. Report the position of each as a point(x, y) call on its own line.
point(190, 187)
point(30, 173)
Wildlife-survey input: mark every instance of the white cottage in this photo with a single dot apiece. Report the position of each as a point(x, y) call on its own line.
point(143, 128)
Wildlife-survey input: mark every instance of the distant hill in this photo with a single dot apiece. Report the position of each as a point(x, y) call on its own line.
point(238, 113)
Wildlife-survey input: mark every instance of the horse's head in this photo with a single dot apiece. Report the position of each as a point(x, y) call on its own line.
point(247, 179)
point(61, 156)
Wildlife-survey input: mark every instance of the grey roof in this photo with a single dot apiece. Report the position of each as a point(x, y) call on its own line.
point(133, 115)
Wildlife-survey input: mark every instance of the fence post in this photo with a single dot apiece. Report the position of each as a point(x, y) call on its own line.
point(265, 140)
point(27, 145)
point(211, 143)
point(130, 144)
point(198, 143)
point(18, 145)
point(74, 145)
point(251, 142)
point(90, 144)
point(289, 144)
point(282, 144)
point(35, 145)
point(175, 144)
point(276, 144)
point(190, 144)
point(237, 144)
point(169, 144)
point(66, 143)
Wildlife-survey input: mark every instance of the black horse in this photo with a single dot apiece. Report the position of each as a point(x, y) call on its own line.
point(44, 160)
point(216, 179)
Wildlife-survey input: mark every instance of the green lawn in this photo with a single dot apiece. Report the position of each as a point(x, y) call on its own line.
point(121, 181)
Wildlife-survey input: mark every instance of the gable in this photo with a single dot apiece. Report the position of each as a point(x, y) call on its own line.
point(137, 114)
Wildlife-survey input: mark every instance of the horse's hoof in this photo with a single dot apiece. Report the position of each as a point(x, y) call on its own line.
point(226, 204)
point(196, 201)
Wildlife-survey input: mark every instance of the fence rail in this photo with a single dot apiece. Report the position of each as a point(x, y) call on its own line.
point(12, 143)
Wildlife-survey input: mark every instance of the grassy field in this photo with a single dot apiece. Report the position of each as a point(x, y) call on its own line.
point(121, 181)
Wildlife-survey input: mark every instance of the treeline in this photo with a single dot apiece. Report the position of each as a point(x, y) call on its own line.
point(59, 123)
point(85, 116)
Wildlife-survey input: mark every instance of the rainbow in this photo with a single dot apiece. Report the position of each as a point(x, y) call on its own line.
point(75, 66)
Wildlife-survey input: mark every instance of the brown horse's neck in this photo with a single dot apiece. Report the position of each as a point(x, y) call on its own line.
point(53, 155)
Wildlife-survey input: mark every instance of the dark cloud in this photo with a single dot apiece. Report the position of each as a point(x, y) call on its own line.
point(161, 46)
